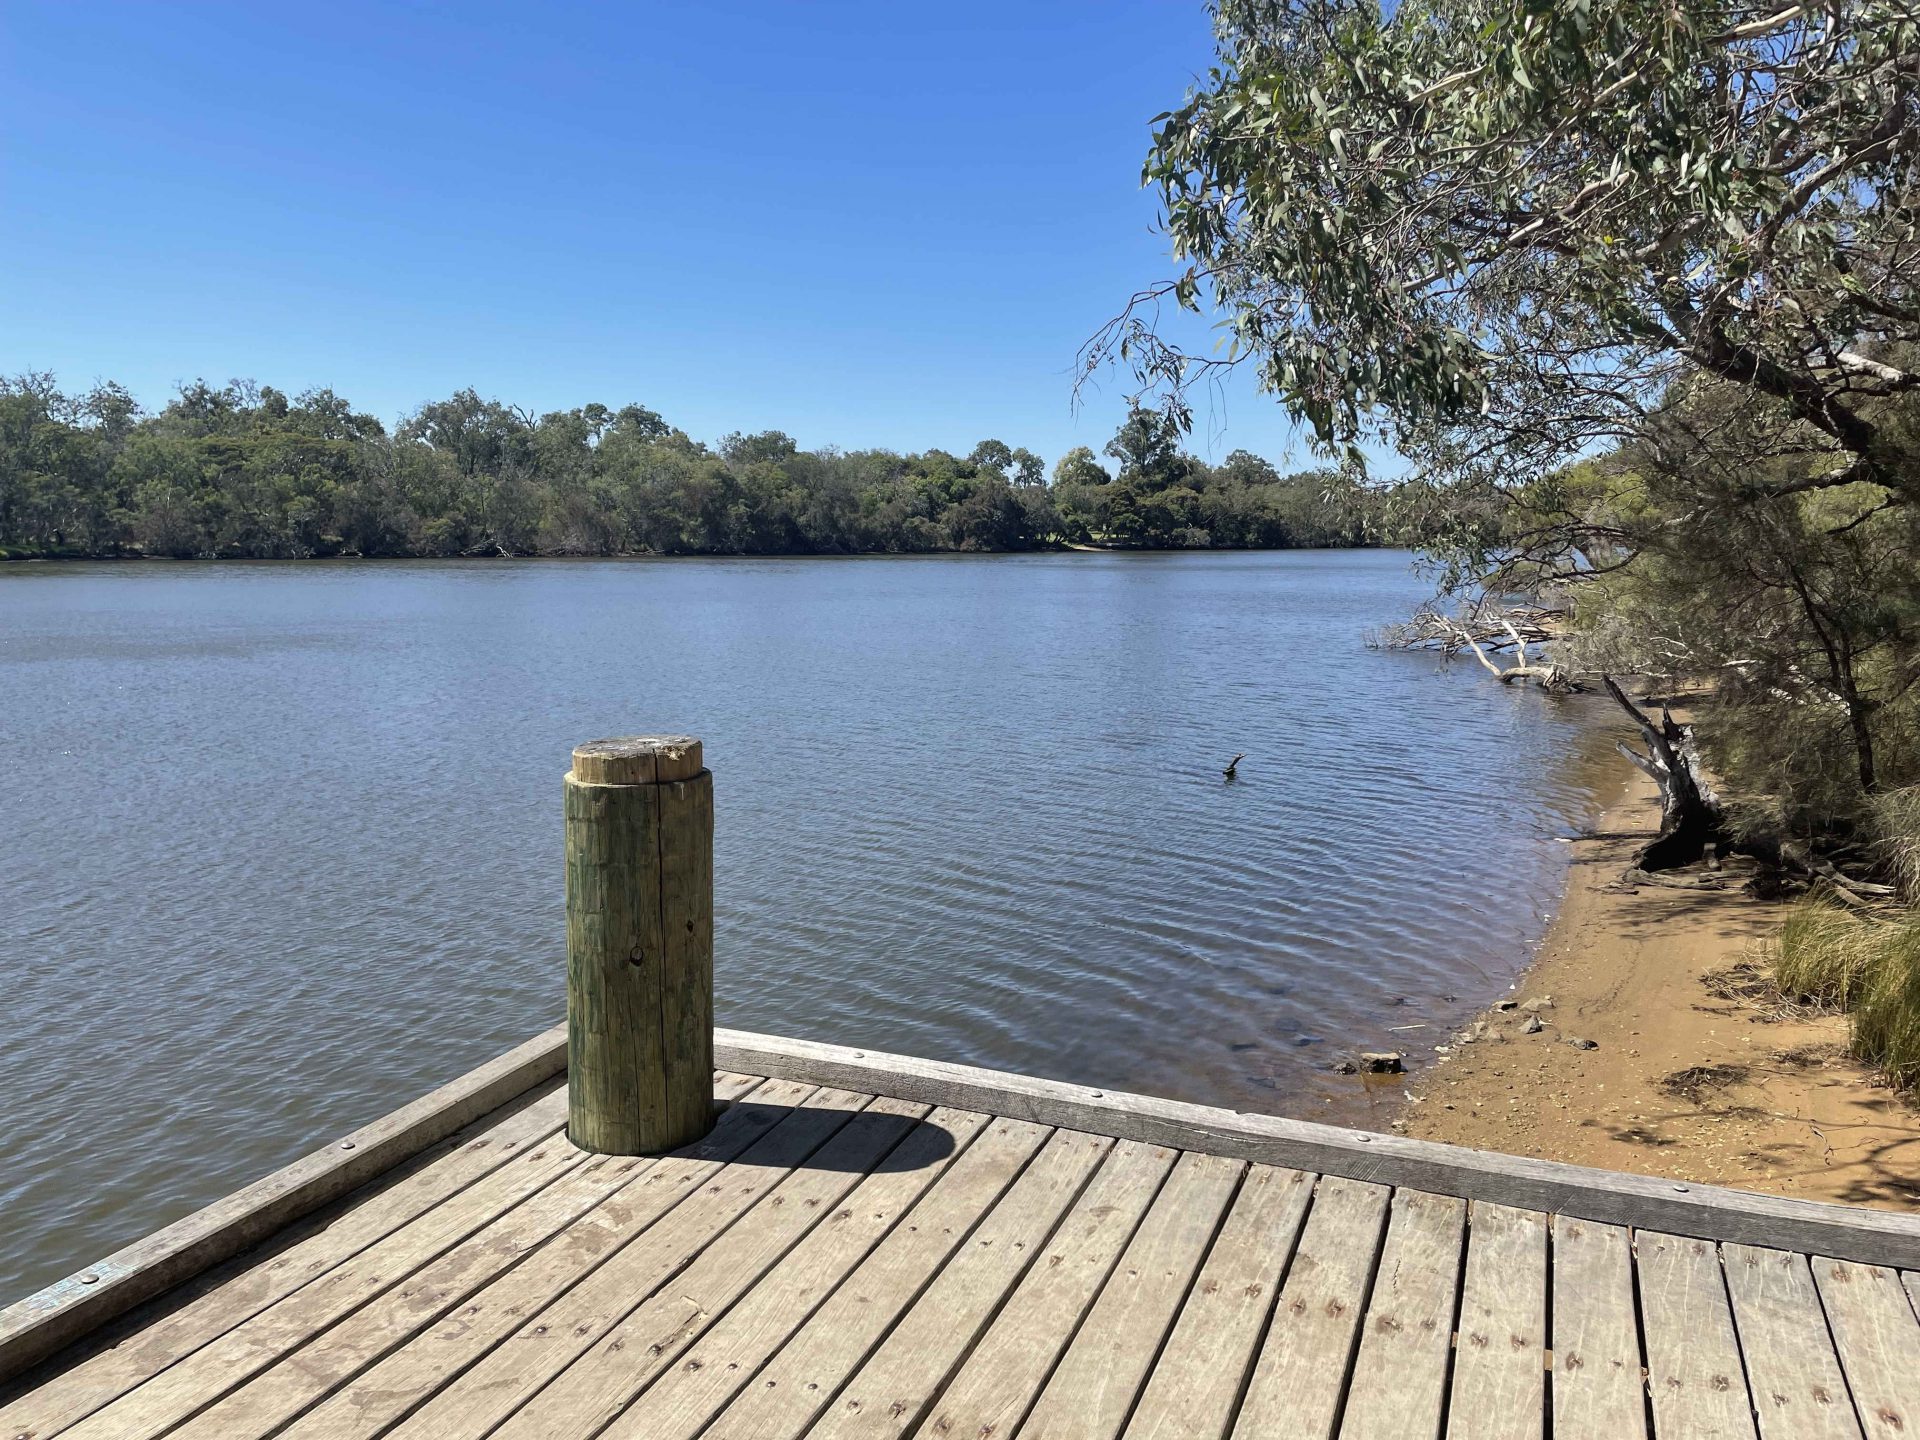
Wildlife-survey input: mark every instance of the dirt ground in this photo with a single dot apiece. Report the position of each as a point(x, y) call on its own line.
point(1696, 1072)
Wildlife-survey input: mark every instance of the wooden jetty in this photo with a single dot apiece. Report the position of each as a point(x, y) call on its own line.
point(865, 1244)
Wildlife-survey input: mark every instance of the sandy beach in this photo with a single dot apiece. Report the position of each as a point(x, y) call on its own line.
point(1695, 1071)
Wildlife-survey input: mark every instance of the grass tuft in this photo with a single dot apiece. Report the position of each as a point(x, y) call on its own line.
point(1841, 961)
point(1825, 956)
point(1886, 1021)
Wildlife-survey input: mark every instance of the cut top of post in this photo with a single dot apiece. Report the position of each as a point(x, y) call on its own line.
point(637, 760)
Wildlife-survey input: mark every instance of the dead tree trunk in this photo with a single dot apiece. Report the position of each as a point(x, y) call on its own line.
point(1690, 817)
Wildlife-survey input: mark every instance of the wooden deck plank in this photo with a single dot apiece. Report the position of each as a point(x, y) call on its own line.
point(202, 1377)
point(555, 1300)
point(1196, 1383)
point(1599, 1385)
point(1301, 1375)
point(892, 1135)
point(536, 1320)
point(1693, 1356)
point(623, 1194)
point(1500, 1368)
point(953, 1164)
point(1793, 1374)
point(143, 1344)
point(888, 1394)
point(995, 1385)
point(1092, 1391)
point(1878, 1337)
point(794, 1389)
point(863, 1303)
point(1400, 1385)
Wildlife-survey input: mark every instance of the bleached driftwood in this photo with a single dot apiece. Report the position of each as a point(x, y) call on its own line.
point(1486, 633)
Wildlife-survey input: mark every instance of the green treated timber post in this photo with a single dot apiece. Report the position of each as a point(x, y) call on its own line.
point(639, 945)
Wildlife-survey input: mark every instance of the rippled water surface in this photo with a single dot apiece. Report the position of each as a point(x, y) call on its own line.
point(281, 843)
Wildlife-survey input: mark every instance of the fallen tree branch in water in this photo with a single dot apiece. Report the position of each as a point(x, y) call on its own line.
point(1486, 633)
point(1549, 677)
point(1495, 630)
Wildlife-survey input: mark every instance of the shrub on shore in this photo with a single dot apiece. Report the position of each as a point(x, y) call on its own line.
point(1895, 824)
point(1826, 957)
point(1866, 965)
point(1886, 1024)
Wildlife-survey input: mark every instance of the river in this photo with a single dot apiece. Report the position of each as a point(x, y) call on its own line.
point(281, 842)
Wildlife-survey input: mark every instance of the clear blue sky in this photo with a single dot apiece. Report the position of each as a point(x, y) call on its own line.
point(865, 224)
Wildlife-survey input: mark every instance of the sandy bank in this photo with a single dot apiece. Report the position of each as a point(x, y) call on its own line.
point(1693, 1075)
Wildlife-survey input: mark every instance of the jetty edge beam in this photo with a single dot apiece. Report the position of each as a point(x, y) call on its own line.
point(1643, 1202)
point(70, 1309)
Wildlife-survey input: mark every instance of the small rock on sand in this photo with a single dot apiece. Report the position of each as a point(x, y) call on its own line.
point(1577, 1043)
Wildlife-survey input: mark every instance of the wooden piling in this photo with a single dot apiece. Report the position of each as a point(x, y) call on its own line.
point(639, 945)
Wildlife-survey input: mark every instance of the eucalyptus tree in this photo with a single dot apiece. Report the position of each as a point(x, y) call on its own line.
point(1078, 467)
point(993, 454)
point(1495, 232)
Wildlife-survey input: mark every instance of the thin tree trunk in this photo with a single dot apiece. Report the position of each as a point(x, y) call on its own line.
point(1862, 745)
point(1857, 722)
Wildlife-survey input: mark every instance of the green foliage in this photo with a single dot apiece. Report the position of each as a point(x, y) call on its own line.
point(1494, 230)
point(1163, 498)
point(1078, 467)
point(244, 471)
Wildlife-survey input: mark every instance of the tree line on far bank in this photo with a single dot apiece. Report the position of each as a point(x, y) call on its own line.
point(244, 471)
